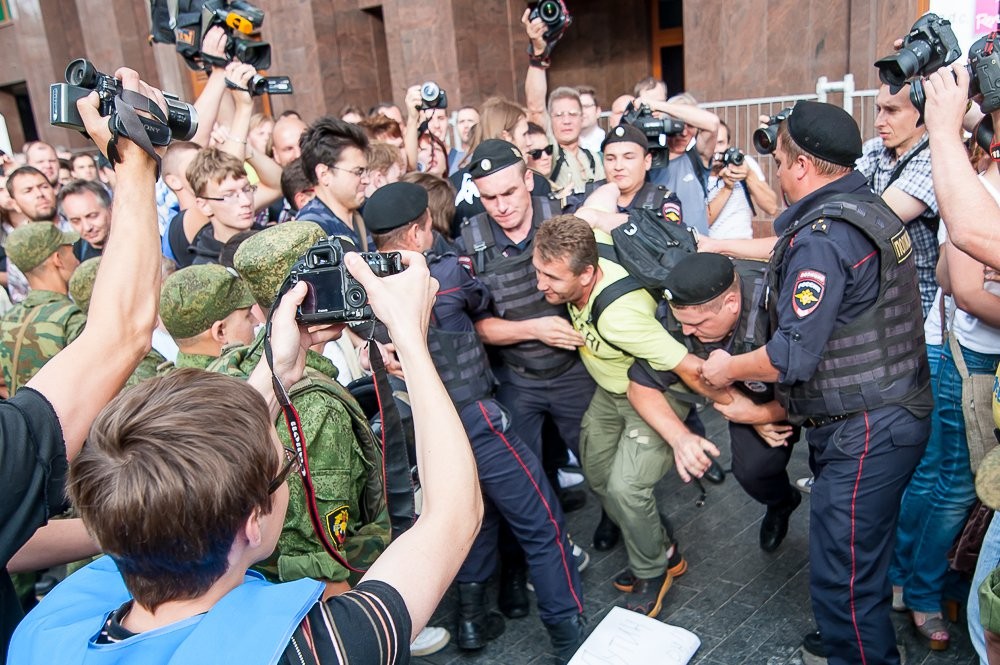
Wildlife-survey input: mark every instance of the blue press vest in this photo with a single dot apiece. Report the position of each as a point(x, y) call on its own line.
point(251, 624)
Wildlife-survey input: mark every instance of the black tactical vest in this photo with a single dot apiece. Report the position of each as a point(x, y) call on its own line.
point(751, 332)
point(514, 286)
point(462, 362)
point(879, 358)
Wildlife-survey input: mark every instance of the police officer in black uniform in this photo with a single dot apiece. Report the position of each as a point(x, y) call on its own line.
point(713, 304)
point(536, 359)
point(847, 352)
point(510, 474)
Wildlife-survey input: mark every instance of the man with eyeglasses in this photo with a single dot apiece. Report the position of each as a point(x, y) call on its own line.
point(225, 196)
point(591, 134)
point(573, 166)
point(335, 161)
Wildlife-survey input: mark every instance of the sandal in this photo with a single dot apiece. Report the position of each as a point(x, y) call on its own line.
point(935, 630)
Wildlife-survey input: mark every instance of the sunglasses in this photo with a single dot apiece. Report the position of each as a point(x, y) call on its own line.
point(290, 466)
point(537, 154)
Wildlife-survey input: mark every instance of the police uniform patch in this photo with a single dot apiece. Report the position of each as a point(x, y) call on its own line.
point(466, 262)
point(808, 292)
point(902, 246)
point(336, 524)
point(671, 212)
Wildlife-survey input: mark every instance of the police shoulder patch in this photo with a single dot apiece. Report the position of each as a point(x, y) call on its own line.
point(808, 292)
point(466, 262)
point(336, 524)
point(671, 211)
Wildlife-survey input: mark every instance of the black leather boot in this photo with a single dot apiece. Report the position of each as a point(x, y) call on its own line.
point(513, 597)
point(566, 636)
point(476, 625)
point(606, 534)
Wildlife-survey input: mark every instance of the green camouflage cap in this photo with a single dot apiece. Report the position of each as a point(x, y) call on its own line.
point(29, 245)
point(81, 284)
point(194, 298)
point(265, 259)
point(988, 480)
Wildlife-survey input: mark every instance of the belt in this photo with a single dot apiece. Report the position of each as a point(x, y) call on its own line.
point(825, 420)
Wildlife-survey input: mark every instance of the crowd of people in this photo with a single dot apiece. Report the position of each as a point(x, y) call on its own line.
point(160, 392)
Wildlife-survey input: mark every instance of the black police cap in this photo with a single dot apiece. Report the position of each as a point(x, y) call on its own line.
point(626, 133)
point(825, 131)
point(394, 205)
point(698, 279)
point(493, 155)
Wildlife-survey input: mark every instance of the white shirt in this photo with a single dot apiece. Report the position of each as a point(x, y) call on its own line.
point(735, 220)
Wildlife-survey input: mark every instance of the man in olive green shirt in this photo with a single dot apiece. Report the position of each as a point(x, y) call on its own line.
point(46, 321)
point(205, 308)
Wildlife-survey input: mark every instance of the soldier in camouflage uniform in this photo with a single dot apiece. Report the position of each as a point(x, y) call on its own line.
point(205, 308)
point(81, 288)
point(344, 460)
point(46, 321)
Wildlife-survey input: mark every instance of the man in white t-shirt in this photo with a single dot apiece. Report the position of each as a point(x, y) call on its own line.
point(731, 188)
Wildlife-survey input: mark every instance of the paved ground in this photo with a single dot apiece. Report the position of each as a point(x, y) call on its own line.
point(745, 606)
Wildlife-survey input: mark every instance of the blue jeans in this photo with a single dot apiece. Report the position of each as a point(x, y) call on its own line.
point(937, 500)
point(989, 558)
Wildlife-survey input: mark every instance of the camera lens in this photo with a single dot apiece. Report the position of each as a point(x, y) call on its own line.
point(429, 91)
point(736, 158)
point(356, 297)
point(81, 72)
point(896, 69)
point(764, 139)
point(549, 11)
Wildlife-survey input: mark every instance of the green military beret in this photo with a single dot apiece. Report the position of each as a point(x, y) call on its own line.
point(81, 284)
point(29, 245)
point(265, 259)
point(194, 298)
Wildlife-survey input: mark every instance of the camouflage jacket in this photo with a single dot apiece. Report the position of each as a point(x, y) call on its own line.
point(196, 360)
point(346, 467)
point(42, 325)
point(147, 369)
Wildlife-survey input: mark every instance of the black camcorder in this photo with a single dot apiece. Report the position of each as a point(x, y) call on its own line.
point(265, 85)
point(657, 130)
point(186, 23)
point(732, 155)
point(82, 78)
point(334, 295)
point(432, 97)
point(765, 139)
point(930, 45)
point(554, 15)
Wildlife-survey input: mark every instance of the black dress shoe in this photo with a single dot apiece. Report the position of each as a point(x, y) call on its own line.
point(774, 527)
point(813, 643)
point(606, 534)
point(715, 474)
point(513, 596)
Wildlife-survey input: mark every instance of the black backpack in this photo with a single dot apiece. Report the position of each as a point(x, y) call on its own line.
point(648, 246)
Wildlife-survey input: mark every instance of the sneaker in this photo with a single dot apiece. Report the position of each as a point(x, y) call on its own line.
point(805, 485)
point(430, 640)
point(647, 594)
point(569, 478)
point(677, 565)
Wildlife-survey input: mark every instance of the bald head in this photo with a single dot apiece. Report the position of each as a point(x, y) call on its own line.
point(618, 109)
point(285, 139)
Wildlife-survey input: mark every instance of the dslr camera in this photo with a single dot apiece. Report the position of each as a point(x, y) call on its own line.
point(765, 139)
point(554, 15)
point(732, 155)
point(82, 77)
point(657, 130)
point(187, 21)
point(334, 295)
point(930, 45)
point(432, 97)
point(984, 75)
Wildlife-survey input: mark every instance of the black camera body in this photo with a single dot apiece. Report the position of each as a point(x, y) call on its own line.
point(765, 139)
point(334, 295)
point(554, 15)
point(265, 85)
point(657, 130)
point(82, 78)
point(432, 97)
point(186, 22)
point(930, 45)
point(984, 76)
point(732, 155)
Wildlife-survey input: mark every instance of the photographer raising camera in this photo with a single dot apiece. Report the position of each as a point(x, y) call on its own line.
point(736, 191)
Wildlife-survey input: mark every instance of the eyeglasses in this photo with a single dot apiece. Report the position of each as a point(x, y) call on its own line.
point(538, 152)
point(359, 172)
point(566, 114)
point(234, 197)
point(290, 466)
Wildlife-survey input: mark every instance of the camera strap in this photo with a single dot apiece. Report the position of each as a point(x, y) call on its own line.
point(128, 124)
